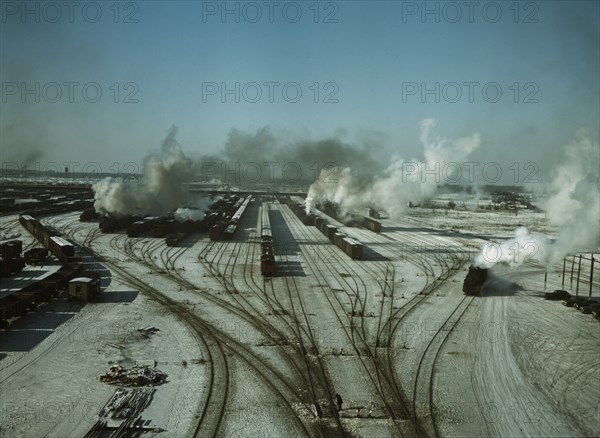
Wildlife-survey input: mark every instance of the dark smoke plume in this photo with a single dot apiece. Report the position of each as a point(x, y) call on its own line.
point(160, 190)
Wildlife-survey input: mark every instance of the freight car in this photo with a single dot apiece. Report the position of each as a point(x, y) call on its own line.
point(161, 228)
point(372, 224)
point(175, 239)
point(330, 231)
point(49, 237)
point(352, 248)
point(229, 232)
point(29, 297)
point(61, 249)
point(109, 223)
point(140, 227)
point(10, 266)
point(349, 219)
point(10, 257)
point(35, 256)
point(474, 280)
point(18, 303)
point(11, 249)
point(89, 214)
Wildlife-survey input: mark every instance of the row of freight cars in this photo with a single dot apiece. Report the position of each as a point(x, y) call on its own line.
point(27, 298)
point(44, 207)
point(331, 210)
point(267, 256)
point(350, 219)
point(221, 221)
point(228, 224)
point(11, 260)
point(50, 238)
point(350, 246)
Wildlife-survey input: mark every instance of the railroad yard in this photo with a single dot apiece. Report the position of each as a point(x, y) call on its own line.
point(268, 321)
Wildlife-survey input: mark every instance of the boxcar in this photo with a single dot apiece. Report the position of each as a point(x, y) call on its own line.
point(372, 224)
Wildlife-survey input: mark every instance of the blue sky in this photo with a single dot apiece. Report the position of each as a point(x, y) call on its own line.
point(365, 57)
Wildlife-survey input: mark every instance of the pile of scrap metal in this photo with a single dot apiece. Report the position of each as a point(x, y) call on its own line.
point(137, 375)
point(126, 403)
point(122, 414)
point(148, 330)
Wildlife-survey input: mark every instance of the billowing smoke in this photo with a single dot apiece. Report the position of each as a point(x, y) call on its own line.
point(160, 189)
point(515, 251)
point(573, 206)
point(188, 214)
point(400, 183)
point(263, 157)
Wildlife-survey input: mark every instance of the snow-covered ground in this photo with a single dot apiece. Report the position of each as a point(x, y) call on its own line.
point(393, 335)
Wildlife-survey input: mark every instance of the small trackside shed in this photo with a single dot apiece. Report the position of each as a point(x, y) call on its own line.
point(84, 289)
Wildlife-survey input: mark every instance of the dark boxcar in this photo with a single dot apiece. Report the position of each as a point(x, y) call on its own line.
point(35, 256)
point(338, 240)
point(330, 231)
point(11, 249)
point(11, 266)
point(372, 224)
point(354, 249)
point(62, 249)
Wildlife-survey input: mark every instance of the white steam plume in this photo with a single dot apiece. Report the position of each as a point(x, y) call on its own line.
point(160, 190)
point(188, 214)
point(573, 206)
point(514, 251)
point(401, 182)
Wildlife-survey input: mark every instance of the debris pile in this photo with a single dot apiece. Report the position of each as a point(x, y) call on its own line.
point(134, 376)
point(127, 403)
point(148, 330)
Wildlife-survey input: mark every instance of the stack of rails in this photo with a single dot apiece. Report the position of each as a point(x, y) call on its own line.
point(350, 246)
point(29, 297)
point(267, 257)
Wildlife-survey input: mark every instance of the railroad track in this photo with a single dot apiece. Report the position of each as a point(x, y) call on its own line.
point(213, 411)
point(338, 309)
point(447, 269)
